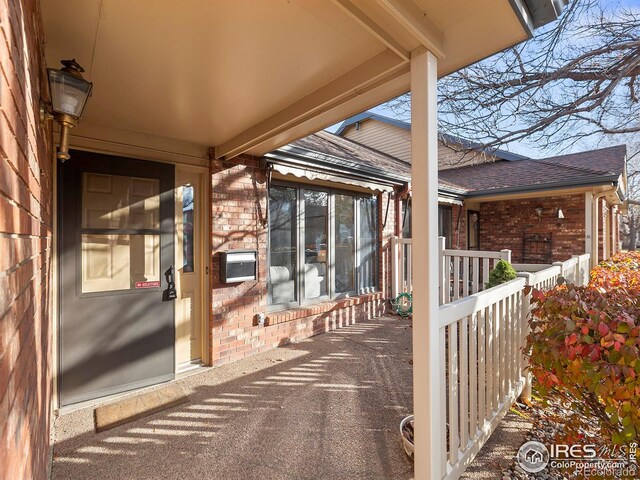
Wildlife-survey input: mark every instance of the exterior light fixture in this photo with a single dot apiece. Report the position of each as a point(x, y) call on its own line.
point(560, 214)
point(539, 211)
point(69, 94)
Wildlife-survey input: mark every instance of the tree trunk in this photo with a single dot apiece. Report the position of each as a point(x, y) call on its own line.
point(633, 232)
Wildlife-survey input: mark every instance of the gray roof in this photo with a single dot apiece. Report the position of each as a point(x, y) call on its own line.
point(592, 167)
point(332, 153)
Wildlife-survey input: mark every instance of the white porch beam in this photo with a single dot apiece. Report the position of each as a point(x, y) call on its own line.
point(372, 27)
point(428, 405)
point(324, 98)
point(390, 86)
point(417, 23)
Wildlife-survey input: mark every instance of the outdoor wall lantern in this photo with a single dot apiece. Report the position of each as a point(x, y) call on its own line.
point(560, 215)
point(539, 212)
point(69, 94)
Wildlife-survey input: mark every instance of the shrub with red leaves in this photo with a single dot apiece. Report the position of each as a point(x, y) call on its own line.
point(584, 344)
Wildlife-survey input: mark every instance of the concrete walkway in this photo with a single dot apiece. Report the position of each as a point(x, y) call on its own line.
point(326, 408)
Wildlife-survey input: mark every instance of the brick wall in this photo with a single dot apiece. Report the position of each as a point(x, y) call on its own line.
point(239, 202)
point(25, 242)
point(388, 214)
point(503, 224)
point(459, 219)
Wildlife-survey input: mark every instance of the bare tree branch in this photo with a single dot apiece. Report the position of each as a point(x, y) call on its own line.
point(575, 79)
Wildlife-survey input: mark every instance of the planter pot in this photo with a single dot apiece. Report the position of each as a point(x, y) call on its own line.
point(406, 442)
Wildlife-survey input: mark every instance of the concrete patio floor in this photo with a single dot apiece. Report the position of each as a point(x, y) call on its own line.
point(325, 408)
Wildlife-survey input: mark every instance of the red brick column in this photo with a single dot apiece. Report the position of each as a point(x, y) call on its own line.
point(26, 180)
point(387, 222)
point(459, 219)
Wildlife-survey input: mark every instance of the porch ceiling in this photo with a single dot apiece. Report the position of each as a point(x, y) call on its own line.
point(249, 76)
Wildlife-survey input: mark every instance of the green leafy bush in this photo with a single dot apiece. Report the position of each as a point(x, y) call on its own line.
point(584, 345)
point(501, 273)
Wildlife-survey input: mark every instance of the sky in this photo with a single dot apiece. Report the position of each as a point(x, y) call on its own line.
point(588, 143)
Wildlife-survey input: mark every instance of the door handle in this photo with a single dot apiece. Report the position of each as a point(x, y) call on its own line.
point(170, 293)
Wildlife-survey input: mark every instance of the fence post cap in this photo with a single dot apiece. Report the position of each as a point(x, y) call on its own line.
point(526, 275)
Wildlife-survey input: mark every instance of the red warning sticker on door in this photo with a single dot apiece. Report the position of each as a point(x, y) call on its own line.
point(148, 284)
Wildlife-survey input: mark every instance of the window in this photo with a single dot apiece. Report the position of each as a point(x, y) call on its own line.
point(120, 232)
point(345, 243)
point(283, 241)
point(323, 244)
point(445, 224)
point(406, 218)
point(187, 228)
point(316, 217)
point(367, 244)
point(473, 221)
point(445, 221)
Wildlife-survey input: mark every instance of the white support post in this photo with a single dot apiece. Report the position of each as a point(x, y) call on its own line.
point(505, 255)
point(428, 361)
point(561, 265)
point(588, 221)
point(524, 331)
point(442, 276)
point(395, 279)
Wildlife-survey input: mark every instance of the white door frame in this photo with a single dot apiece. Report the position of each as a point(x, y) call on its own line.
point(202, 219)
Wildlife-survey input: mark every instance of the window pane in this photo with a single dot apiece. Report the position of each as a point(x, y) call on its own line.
point(315, 243)
point(406, 219)
point(187, 228)
point(445, 224)
point(345, 244)
point(283, 250)
point(474, 230)
point(120, 262)
point(116, 201)
point(368, 243)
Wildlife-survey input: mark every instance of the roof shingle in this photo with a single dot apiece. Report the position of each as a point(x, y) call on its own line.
point(572, 168)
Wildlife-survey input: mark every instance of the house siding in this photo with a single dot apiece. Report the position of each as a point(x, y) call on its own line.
point(396, 141)
point(239, 206)
point(26, 221)
point(504, 223)
point(389, 139)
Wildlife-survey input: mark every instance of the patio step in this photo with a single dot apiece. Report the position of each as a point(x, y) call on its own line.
point(138, 406)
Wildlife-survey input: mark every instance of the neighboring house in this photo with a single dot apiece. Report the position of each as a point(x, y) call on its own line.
point(393, 137)
point(540, 209)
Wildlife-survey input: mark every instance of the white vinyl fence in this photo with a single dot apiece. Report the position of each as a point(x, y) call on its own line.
point(465, 272)
point(481, 365)
point(401, 266)
point(462, 272)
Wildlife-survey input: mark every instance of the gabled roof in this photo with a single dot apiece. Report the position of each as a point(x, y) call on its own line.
point(332, 153)
point(578, 169)
point(603, 160)
point(445, 138)
point(350, 153)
